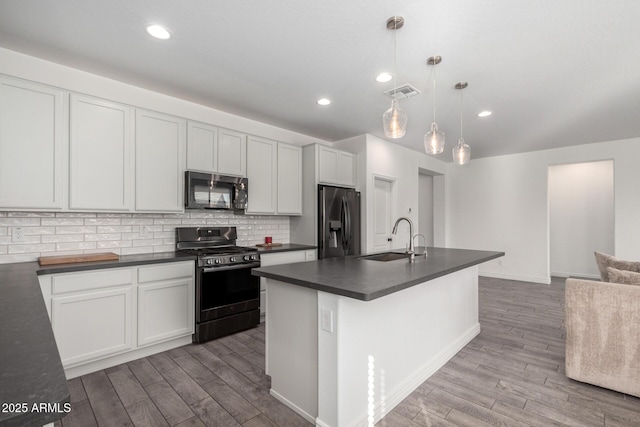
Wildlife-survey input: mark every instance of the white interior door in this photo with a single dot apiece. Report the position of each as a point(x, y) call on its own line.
point(382, 214)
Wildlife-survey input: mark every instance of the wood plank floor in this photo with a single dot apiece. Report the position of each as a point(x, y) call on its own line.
point(512, 374)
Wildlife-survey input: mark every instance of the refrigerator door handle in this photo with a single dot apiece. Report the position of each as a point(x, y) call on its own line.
point(347, 232)
point(325, 233)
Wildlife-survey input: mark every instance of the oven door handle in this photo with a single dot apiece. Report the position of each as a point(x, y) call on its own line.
point(230, 267)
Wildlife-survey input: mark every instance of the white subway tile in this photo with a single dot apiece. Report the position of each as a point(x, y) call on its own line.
point(114, 244)
point(102, 221)
point(137, 221)
point(114, 215)
point(8, 240)
point(193, 222)
point(163, 234)
point(135, 251)
point(30, 214)
point(100, 251)
point(4, 231)
point(57, 238)
point(19, 222)
point(113, 229)
point(164, 248)
point(147, 242)
point(5, 259)
point(24, 249)
point(102, 236)
point(4, 250)
point(75, 229)
point(75, 215)
point(62, 221)
point(39, 230)
point(75, 246)
point(175, 221)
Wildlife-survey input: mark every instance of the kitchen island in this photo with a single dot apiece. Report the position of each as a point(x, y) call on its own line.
point(347, 339)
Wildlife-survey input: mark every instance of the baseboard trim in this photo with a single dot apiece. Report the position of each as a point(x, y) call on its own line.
point(108, 362)
point(293, 407)
point(541, 280)
point(422, 374)
point(581, 275)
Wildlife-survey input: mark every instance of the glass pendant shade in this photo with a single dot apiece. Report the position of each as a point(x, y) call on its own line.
point(461, 153)
point(434, 140)
point(394, 121)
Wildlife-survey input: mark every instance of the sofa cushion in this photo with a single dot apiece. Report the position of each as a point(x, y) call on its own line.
point(624, 277)
point(604, 261)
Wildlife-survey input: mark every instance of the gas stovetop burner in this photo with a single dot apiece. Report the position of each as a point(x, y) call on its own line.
point(214, 246)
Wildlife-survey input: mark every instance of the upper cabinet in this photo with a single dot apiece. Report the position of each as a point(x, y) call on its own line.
point(100, 155)
point(216, 150)
point(202, 147)
point(274, 170)
point(32, 146)
point(289, 179)
point(336, 167)
point(232, 153)
point(160, 153)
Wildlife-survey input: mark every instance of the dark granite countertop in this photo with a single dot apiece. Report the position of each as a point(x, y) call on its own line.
point(288, 247)
point(30, 368)
point(367, 280)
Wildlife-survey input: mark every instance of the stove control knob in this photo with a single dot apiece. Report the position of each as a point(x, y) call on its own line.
point(233, 259)
point(247, 258)
point(254, 257)
point(209, 261)
point(218, 261)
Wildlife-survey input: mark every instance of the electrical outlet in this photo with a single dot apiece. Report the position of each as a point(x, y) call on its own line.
point(144, 231)
point(326, 320)
point(17, 234)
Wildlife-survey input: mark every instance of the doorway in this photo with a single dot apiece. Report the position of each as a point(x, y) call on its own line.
point(581, 216)
point(425, 208)
point(382, 213)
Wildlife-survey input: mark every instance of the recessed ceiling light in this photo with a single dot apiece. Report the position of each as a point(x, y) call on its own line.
point(158, 31)
point(323, 101)
point(485, 113)
point(384, 77)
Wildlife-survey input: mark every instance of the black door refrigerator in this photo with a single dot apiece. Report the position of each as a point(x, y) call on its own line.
point(338, 221)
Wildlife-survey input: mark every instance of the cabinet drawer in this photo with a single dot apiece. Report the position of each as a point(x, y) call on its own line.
point(171, 270)
point(267, 260)
point(74, 282)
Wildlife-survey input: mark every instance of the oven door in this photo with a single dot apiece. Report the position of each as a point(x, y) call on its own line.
point(225, 291)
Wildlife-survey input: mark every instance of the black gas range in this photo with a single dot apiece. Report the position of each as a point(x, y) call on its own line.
point(227, 295)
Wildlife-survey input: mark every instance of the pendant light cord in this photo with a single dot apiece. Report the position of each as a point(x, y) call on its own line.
point(461, 113)
point(434, 92)
point(395, 68)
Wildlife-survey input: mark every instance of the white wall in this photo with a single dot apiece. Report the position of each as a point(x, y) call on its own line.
point(425, 211)
point(581, 216)
point(377, 157)
point(500, 203)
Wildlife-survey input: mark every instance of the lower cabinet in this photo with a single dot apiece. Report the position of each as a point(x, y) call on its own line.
point(278, 258)
point(102, 318)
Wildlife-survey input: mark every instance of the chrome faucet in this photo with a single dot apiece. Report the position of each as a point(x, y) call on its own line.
point(411, 252)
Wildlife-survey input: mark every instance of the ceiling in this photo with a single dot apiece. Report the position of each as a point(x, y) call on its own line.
point(554, 73)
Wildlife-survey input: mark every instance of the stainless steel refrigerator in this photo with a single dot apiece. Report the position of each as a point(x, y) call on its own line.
point(338, 221)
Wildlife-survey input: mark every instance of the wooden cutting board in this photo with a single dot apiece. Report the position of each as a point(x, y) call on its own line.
point(268, 245)
point(70, 259)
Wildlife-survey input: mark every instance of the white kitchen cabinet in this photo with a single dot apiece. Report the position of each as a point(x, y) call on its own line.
point(100, 153)
point(232, 153)
point(202, 147)
point(101, 318)
point(289, 179)
point(165, 302)
point(33, 147)
point(336, 167)
point(274, 170)
point(262, 173)
point(160, 162)
point(278, 258)
point(92, 314)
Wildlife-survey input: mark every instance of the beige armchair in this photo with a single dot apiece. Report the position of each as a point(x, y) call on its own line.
point(603, 334)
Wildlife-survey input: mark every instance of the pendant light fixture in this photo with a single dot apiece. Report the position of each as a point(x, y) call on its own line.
point(461, 152)
point(434, 139)
point(394, 120)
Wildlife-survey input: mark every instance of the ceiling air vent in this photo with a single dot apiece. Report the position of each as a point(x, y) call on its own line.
point(404, 91)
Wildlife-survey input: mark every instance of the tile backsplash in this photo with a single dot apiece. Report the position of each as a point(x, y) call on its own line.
point(49, 233)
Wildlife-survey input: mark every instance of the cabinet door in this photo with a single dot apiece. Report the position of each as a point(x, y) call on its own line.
point(165, 310)
point(160, 165)
point(262, 165)
point(267, 260)
point(232, 153)
point(100, 155)
point(92, 325)
point(289, 179)
point(32, 150)
point(327, 165)
point(346, 169)
point(202, 147)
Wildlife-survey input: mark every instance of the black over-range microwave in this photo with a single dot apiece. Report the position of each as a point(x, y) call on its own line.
point(210, 191)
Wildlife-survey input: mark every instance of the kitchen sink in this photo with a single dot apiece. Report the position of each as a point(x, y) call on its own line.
point(384, 257)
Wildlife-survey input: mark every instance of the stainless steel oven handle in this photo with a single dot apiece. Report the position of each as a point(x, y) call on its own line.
point(230, 267)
